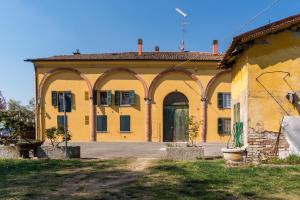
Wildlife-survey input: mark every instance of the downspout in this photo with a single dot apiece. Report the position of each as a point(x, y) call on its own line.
point(203, 118)
point(148, 127)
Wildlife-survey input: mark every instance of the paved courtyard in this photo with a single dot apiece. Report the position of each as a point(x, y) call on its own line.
point(136, 149)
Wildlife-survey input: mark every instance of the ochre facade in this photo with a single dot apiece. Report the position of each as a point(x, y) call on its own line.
point(264, 71)
point(152, 81)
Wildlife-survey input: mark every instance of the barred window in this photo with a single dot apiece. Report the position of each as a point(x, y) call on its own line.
point(224, 125)
point(224, 100)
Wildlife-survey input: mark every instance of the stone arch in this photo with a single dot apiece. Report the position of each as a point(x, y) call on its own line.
point(52, 73)
point(213, 79)
point(57, 70)
point(110, 71)
point(174, 70)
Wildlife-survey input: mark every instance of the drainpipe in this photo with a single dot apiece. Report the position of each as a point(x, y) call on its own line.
point(92, 120)
point(203, 118)
point(148, 119)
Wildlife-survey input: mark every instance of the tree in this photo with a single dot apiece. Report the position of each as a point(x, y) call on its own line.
point(192, 129)
point(57, 135)
point(2, 102)
point(20, 120)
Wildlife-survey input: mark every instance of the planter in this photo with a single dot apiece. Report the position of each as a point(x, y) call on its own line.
point(185, 153)
point(235, 155)
point(9, 152)
point(58, 152)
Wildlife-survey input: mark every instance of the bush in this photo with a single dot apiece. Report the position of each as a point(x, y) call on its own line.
point(57, 135)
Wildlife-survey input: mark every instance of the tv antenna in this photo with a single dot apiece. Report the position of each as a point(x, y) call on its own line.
point(183, 28)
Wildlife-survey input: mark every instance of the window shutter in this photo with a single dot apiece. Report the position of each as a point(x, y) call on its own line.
point(54, 98)
point(109, 98)
point(124, 123)
point(60, 102)
point(220, 126)
point(132, 97)
point(95, 95)
point(117, 97)
point(220, 100)
point(60, 121)
point(68, 101)
point(102, 123)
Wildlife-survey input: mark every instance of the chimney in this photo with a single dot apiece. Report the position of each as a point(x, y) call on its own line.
point(215, 47)
point(156, 48)
point(140, 46)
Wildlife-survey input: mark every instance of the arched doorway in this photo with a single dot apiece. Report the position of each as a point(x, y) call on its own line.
point(175, 117)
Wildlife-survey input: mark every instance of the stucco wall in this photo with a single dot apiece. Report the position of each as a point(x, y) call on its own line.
point(63, 81)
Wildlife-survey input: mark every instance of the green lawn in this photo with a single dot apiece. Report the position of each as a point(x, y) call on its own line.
point(123, 179)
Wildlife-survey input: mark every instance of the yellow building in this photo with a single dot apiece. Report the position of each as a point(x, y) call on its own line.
point(133, 96)
point(265, 71)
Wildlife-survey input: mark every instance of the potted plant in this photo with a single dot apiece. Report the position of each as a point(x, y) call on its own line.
point(237, 152)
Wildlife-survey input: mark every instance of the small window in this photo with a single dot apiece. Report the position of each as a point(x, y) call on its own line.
point(125, 123)
point(86, 95)
point(101, 123)
point(68, 101)
point(60, 121)
point(224, 100)
point(86, 120)
point(224, 125)
point(105, 98)
point(124, 97)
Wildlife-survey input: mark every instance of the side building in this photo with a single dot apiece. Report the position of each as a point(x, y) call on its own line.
point(265, 84)
point(134, 96)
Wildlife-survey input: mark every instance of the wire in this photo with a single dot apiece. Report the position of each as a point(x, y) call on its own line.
point(251, 20)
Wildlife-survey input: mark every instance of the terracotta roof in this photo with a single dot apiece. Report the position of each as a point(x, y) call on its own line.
point(257, 33)
point(167, 56)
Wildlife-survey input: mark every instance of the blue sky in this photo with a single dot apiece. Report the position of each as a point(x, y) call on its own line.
point(32, 28)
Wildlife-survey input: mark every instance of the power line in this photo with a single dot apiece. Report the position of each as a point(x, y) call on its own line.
point(251, 20)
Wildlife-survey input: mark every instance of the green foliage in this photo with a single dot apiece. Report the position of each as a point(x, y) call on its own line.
point(292, 159)
point(20, 120)
point(57, 135)
point(192, 130)
point(2, 102)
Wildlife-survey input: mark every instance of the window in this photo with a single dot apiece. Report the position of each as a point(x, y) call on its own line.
point(87, 120)
point(60, 121)
point(124, 97)
point(125, 123)
point(224, 125)
point(101, 123)
point(86, 95)
point(60, 100)
point(105, 98)
point(224, 100)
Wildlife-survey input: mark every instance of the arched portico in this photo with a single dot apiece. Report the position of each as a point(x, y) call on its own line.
point(108, 73)
point(41, 88)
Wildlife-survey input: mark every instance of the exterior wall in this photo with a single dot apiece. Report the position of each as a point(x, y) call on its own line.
point(273, 71)
point(68, 80)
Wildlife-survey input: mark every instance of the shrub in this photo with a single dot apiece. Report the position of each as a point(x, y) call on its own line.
point(57, 135)
point(192, 129)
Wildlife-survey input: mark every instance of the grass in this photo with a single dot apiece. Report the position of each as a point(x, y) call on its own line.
point(290, 160)
point(114, 179)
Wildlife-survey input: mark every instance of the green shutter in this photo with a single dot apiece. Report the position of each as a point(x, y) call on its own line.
point(124, 123)
point(101, 123)
point(54, 98)
point(220, 126)
point(95, 97)
point(117, 97)
point(109, 98)
point(220, 100)
point(131, 97)
point(68, 101)
point(60, 121)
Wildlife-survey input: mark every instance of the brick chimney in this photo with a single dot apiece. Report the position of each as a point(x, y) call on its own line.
point(140, 46)
point(156, 48)
point(215, 50)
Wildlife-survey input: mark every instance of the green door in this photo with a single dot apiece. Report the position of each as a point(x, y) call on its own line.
point(175, 123)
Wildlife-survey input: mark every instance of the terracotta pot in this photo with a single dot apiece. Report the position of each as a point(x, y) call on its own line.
point(233, 154)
